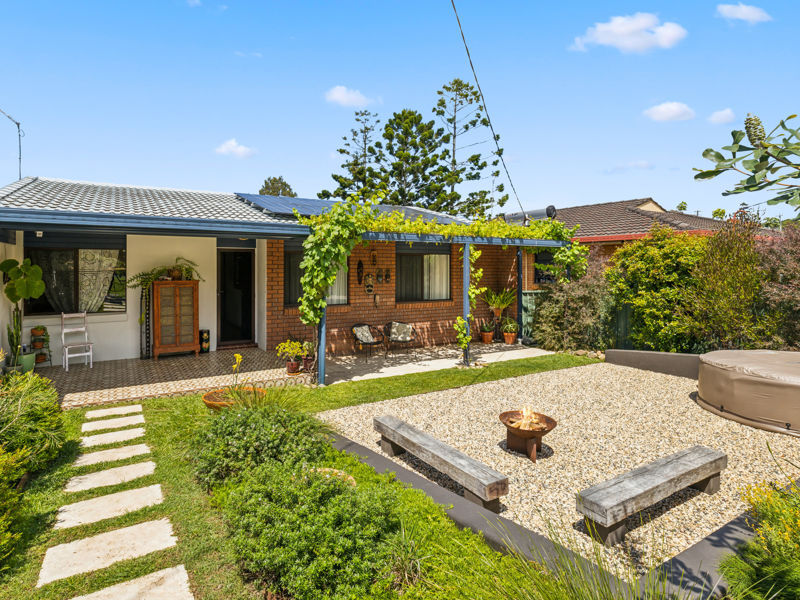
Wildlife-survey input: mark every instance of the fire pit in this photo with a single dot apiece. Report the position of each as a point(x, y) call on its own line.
point(525, 429)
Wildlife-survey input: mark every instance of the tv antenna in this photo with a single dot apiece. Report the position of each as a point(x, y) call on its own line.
point(20, 135)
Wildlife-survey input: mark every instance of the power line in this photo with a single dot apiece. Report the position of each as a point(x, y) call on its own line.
point(485, 108)
point(20, 135)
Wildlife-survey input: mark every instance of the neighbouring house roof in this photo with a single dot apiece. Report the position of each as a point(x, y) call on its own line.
point(57, 204)
point(630, 219)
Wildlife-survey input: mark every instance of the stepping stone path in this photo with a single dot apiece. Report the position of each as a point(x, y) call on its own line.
point(100, 551)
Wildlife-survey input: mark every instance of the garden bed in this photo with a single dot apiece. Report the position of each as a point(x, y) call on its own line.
point(611, 420)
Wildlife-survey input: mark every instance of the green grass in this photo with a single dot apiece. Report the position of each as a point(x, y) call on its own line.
point(203, 546)
point(386, 388)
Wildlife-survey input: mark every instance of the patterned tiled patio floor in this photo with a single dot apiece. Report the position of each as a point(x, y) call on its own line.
point(130, 379)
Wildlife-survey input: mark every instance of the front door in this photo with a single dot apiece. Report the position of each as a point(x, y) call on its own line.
point(235, 301)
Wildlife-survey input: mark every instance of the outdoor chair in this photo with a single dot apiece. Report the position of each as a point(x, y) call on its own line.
point(366, 337)
point(400, 334)
point(74, 324)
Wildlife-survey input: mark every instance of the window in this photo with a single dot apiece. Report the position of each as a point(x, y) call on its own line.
point(78, 280)
point(292, 290)
point(423, 273)
point(539, 274)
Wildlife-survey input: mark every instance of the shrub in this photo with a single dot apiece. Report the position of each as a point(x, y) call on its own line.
point(12, 467)
point(651, 275)
point(769, 565)
point(241, 439)
point(575, 315)
point(780, 259)
point(307, 535)
point(723, 305)
point(31, 418)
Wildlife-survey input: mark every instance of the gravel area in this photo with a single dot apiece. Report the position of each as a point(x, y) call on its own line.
point(611, 419)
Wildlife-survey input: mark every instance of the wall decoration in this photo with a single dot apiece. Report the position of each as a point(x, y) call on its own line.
point(369, 283)
point(379, 276)
point(360, 272)
point(387, 276)
point(374, 257)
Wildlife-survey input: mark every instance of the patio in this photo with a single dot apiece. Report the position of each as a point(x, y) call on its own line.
point(136, 379)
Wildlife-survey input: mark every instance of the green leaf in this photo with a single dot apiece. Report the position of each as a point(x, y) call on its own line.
point(708, 174)
point(713, 155)
point(8, 264)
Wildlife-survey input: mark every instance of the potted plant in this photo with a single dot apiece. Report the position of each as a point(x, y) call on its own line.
point(499, 301)
point(509, 329)
point(308, 356)
point(182, 269)
point(291, 351)
point(38, 331)
point(236, 392)
point(487, 332)
point(24, 283)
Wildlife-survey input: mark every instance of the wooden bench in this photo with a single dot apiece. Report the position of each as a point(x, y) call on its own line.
point(482, 485)
point(607, 505)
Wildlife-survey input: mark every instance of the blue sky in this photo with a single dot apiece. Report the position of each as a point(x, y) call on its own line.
point(148, 92)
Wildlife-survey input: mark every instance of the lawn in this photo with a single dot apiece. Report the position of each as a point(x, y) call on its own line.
point(204, 548)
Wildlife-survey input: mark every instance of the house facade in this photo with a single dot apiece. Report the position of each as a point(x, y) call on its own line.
point(90, 237)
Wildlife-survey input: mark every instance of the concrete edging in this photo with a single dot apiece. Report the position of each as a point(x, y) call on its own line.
point(669, 363)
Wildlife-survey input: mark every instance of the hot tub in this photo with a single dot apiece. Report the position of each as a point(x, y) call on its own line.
point(760, 388)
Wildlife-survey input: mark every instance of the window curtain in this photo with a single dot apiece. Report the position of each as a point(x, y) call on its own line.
point(436, 277)
point(58, 274)
point(95, 272)
point(291, 278)
point(408, 279)
point(337, 293)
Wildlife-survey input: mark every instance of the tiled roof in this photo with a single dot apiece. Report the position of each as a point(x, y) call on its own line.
point(40, 193)
point(626, 218)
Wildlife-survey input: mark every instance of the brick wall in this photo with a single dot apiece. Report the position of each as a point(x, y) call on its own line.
point(433, 320)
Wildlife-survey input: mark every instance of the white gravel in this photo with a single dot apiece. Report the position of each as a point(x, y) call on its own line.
point(611, 419)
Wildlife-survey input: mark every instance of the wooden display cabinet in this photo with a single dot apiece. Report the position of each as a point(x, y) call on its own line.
point(175, 317)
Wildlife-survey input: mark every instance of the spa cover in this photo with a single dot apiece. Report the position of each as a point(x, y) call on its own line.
point(760, 388)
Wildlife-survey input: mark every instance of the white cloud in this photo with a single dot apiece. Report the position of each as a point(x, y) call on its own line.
point(634, 165)
point(670, 111)
point(719, 117)
point(743, 12)
point(193, 2)
point(344, 96)
point(248, 54)
point(233, 148)
point(632, 33)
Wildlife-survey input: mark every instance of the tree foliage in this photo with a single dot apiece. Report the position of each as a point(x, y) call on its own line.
point(780, 259)
point(363, 156)
point(770, 161)
point(718, 213)
point(277, 186)
point(651, 275)
point(722, 304)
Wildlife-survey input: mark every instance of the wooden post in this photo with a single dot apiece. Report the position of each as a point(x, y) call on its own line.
point(519, 292)
point(321, 349)
point(465, 286)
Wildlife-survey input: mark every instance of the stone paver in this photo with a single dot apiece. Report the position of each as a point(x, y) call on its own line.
point(110, 455)
point(108, 506)
point(167, 584)
point(111, 412)
point(110, 476)
point(112, 437)
point(105, 549)
point(112, 423)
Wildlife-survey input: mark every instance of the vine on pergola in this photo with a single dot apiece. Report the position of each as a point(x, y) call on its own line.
point(335, 233)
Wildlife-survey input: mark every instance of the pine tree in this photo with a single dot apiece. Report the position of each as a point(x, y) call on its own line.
point(276, 186)
point(361, 164)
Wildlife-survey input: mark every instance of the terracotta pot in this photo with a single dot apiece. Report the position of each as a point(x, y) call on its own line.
point(37, 331)
point(175, 274)
point(486, 336)
point(308, 363)
point(41, 358)
point(510, 338)
point(216, 399)
point(37, 345)
point(497, 312)
point(292, 367)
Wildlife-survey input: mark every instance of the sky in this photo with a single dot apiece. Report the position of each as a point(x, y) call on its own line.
point(594, 101)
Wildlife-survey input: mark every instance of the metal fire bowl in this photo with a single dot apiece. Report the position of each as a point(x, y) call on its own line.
point(547, 426)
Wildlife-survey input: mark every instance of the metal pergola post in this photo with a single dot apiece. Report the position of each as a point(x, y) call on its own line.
point(323, 325)
point(519, 292)
point(465, 294)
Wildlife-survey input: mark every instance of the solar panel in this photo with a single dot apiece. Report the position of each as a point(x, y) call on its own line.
point(413, 213)
point(284, 205)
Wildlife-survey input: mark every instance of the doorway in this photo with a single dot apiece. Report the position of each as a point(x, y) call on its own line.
point(235, 297)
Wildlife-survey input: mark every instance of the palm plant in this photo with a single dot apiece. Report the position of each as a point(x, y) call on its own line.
point(501, 300)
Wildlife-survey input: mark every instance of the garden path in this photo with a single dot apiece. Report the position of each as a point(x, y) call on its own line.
point(105, 549)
